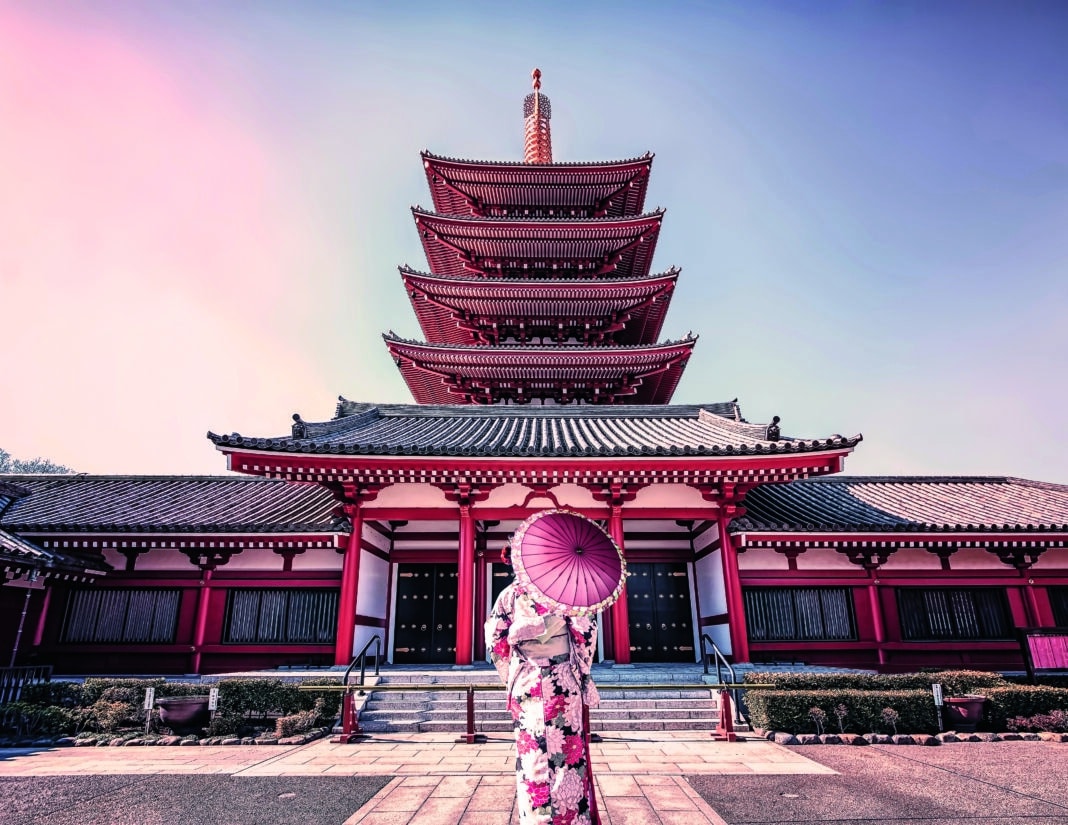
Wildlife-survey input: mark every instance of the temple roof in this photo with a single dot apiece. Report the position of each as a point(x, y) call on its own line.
point(530, 248)
point(166, 504)
point(471, 309)
point(480, 188)
point(534, 431)
point(451, 374)
point(906, 504)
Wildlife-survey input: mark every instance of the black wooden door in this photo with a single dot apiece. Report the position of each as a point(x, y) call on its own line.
point(425, 630)
point(658, 603)
point(502, 575)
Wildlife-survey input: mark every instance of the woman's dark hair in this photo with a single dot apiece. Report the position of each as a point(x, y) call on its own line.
point(506, 554)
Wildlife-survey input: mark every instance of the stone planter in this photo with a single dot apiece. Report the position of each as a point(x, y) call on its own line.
point(184, 714)
point(964, 713)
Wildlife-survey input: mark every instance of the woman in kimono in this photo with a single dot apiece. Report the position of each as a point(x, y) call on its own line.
point(544, 660)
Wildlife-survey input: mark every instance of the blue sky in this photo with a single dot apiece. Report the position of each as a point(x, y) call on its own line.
point(868, 201)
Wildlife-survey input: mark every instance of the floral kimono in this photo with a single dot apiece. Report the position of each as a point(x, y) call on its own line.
point(544, 659)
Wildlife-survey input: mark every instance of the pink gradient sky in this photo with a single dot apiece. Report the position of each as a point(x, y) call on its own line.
point(203, 206)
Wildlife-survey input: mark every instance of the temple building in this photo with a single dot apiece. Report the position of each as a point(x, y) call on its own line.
point(543, 381)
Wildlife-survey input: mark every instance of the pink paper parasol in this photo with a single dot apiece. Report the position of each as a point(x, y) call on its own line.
point(567, 562)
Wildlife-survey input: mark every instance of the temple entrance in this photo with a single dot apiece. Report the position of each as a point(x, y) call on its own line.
point(661, 621)
point(425, 631)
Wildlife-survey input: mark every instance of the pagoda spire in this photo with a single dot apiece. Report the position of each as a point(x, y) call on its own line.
point(538, 142)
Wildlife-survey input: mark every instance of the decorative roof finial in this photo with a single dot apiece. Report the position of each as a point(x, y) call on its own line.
point(537, 146)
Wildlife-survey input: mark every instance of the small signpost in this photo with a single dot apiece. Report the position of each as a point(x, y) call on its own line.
point(213, 699)
point(150, 700)
point(936, 690)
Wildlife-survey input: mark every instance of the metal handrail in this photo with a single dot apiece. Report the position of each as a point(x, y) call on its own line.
point(361, 659)
point(721, 662)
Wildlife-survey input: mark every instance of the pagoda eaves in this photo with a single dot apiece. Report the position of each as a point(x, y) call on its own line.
point(448, 374)
point(576, 190)
point(530, 248)
point(474, 310)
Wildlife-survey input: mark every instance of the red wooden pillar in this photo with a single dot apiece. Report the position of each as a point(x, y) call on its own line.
point(878, 625)
point(200, 629)
point(1033, 611)
point(481, 566)
point(350, 580)
point(42, 618)
point(465, 586)
point(620, 613)
point(732, 585)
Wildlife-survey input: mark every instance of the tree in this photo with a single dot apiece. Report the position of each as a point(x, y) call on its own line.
point(33, 465)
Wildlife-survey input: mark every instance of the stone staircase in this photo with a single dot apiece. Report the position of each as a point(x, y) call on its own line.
point(626, 703)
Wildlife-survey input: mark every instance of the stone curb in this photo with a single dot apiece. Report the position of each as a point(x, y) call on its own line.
point(783, 738)
point(163, 741)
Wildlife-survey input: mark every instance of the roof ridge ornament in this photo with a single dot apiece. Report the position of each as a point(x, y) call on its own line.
point(537, 142)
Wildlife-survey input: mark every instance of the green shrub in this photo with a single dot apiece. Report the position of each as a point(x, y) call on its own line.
point(1055, 721)
point(26, 719)
point(300, 722)
point(954, 682)
point(1011, 701)
point(258, 698)
point(123, 690)
point(331, 698)
point(792, 710)
point(57, 694)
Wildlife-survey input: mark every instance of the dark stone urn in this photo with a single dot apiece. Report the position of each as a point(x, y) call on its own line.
point(964, 713)
point(184, 714)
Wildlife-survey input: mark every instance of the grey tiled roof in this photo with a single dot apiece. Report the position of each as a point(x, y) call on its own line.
point(535, 431)
point(906, 504)
point(223, 504)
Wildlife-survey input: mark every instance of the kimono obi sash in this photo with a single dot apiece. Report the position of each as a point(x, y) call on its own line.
point(553, 646)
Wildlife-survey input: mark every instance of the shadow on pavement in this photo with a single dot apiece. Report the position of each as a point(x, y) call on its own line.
point(1004, 783)
point(170, 798)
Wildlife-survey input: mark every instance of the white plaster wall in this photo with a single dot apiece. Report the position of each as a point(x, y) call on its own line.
point(411, 495)
point(912, 558)
point(1056, 559)
point(823, 558)
point(669, 495)
point(708, 578)
point(721, 637)
point(319, 558)
point(760, 558)
point(371, 592)
point(973, 558)
point(168, 559)
point(257, 559)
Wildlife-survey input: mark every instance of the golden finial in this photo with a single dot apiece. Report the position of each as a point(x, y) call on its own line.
point(537, 145)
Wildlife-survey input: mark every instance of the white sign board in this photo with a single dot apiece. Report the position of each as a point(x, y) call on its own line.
point(150, 697)
point(937, 691)
point(213, 699)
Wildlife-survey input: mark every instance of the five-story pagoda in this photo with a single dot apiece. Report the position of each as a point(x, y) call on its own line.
point(541, 384)
point(540, 288)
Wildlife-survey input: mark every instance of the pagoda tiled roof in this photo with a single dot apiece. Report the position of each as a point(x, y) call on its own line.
point(896, 504)
point(549, 247)
point(167, 504)
point(504, 431)
point(444, 374)
point(603, 188)
point(471, 309)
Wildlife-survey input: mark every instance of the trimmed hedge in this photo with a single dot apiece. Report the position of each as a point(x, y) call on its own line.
point(786, 707)
point(954, 682)
point(788, 710)
point(112, 705)
point(1005, 703)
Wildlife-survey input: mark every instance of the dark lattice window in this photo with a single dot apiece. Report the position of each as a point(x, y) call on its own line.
point(799, 614)
point(1058, 597)
point(113, 616)
point(281, 617)
point(938, 614)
